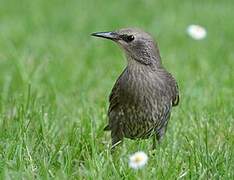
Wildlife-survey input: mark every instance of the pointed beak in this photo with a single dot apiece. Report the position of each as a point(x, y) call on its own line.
point(108, 35)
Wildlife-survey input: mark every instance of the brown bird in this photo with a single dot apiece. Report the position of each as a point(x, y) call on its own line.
point(143, 95)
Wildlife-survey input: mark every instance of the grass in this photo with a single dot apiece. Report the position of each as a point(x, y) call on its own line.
point(55, 80)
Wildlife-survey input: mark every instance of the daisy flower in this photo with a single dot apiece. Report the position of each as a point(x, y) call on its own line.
point(197, 32)
point(138, 160)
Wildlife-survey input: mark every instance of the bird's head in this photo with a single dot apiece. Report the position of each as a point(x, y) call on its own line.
point(138, 45)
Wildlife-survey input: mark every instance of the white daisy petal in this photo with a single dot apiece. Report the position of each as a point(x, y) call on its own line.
point(197, 32)
point(138, 160)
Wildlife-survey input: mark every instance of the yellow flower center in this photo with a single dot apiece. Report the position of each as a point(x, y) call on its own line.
point(138, 159)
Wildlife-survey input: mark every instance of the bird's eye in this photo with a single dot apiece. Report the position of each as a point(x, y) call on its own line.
point(127, 38)
point(130, 38)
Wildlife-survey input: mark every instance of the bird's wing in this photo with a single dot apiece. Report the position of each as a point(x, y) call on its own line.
point(166, 111)
point(114, 100)
point(114, 96)
point(115, 114)
point(175, 94)
point(170, 97)
point(173, 88)
point(164, 118)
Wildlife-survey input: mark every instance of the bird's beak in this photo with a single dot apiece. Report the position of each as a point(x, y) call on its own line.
point(108, 35)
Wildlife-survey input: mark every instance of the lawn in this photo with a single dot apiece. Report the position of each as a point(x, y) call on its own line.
point(55, 80)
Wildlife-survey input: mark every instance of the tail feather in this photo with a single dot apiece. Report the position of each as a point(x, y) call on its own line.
point(107, 128)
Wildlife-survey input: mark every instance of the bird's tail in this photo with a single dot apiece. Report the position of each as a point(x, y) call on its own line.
point(107, 128)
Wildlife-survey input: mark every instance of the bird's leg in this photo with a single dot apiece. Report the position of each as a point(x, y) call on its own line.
point(157, 138)
point(152, 152)
point(154, 142)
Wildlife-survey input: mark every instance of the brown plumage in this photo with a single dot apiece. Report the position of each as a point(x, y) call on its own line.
point(143, 95)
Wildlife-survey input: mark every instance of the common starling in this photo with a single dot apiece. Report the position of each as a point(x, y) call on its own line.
point(143, 95)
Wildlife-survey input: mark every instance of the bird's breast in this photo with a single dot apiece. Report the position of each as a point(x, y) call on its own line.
point(139, 87)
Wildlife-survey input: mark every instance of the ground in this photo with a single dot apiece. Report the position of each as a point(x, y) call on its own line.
point(55, 80)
